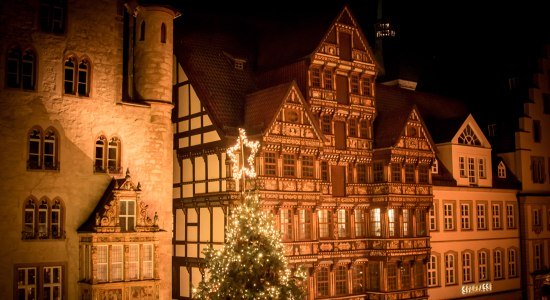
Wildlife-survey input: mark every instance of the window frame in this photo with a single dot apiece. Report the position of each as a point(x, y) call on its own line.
point(40, 283)
point(285, 224)
point(25, 63)
point(431, 267)
point(106, 149)
point(450, 268)
point(47, 19)
point(77, 74)
point(270, 164)
point(324, 217)
point(35, 229)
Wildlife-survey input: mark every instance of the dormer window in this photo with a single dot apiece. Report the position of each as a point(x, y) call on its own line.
point(468, 137)
point(239, 64)
point(501, 170)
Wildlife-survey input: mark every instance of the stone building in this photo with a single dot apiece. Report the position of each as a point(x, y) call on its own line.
point(86, 91)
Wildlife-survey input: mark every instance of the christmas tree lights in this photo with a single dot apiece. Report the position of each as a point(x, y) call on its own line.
point(251, 265)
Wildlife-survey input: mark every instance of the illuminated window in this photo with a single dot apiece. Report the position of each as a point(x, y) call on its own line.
point(315, 78)
point(322, 282)
point(304, 224)
point(359, 278)
point(77, 76)
point(308, 167)
point(327, 76)
point(163, 33)
point(285, 218)
point(116, 263)
point(343, 223)
point(324, 223)
point(42, 281)
point(42, 219)
point(374, 224)
point(361, 173)
point(465, 216)
point(378, 171)
point(481, 216)
point(468, 137)
point(432, 271)
point(133, 262)
point(270, 164)
point(395, 169)
point(52, 15)
point(537, 257)
point(43, 149)
point(483, 257)
point(405, 226)
point(20, 69)
point(326, 125)
point(392, 219)
point(501, 170)
point(391, 273)
point(448, 216)
point(107, 155)
point(512, 262)
point(466, 267)
point(510, 216)
point(497, 264)
point(360, 223)
point(127, 214)
point(497, 216)
point(148, 255)
point(538, 174)
point(289, 165)
point(102, 263)
point(450, 261)
point(341, 280)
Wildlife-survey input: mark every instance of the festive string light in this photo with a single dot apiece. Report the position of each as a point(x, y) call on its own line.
point(240, 169)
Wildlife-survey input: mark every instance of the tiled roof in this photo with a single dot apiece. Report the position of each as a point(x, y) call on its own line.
point(443, 176)
point(262, 106)
point(509, 182)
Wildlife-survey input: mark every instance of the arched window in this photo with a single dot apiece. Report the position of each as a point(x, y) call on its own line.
point(43, 219)
point(501, 170)
point(142, 31)
point(163, 33)
point(43, 149)
point(69, 74)
point(84, 78)
point(432, 271)
point(107, 155)
point(20, 68)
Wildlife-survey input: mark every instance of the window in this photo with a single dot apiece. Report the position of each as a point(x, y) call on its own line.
point(481, 168)
point(322, 282)
point(324, 223)
point(536, 131)
point(315, 78)
point(465, 216)
point(537, 215)
point(107, 155)
point(420, 222)
point(501, 170)
point(496, 216)
point(405, 276)
point(341, 280)
point(482, 265)
point(77, 76)
point(270, 164)
point(285, 218)
point(423, 174)
point(102, 263)
point(466, 267)
point(354, 84)
point(395, 172)
point(43, 149)
point(375, 225)
point(538, 174)
point(40, 281)
point(406, 222)
point(546, 104)
point(378, 171)
point(343, 223)
point(366, 86)
point(326, 124)
point(327, 77)
point(163, 33)
point(510, 216)
point(43, 219)
point(433, 220)
point(481, 215)
point(512, 263)
point(361, 173)
point(449, 269)
point(374, 276)
point(432, 271)
point(392, 220)
point(419, 274)
point(133, 262)
point(116, 262)
point(148, 261)
point(409, 173)
point(307, 167)
point(352, 127)
point(127, 214)
point(304, 224)
point(392, 277)
point(468, 137)
point(360, 224)
point(52, 15)
point(537, 257)
point(359, 278)
point(471, 171)
point(462, 166)
point(364, 130)
point(448, 216)
point(497, 264)
point(324, 171)
point(20, 69)
point(435, 167)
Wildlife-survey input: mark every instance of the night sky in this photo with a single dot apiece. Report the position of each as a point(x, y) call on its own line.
point(463, 49)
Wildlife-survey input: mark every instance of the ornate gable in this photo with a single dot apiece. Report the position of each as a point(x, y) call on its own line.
point(415, 137)
point(294, 122)
point(470, 134)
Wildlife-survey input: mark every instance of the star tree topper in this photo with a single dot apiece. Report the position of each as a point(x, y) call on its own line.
point(239, 168)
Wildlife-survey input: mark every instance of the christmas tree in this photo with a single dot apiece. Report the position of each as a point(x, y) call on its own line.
point(251, 265)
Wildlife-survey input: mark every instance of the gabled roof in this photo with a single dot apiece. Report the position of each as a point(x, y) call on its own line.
point(443, 176)
point(471, 122)
point(100, 208)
